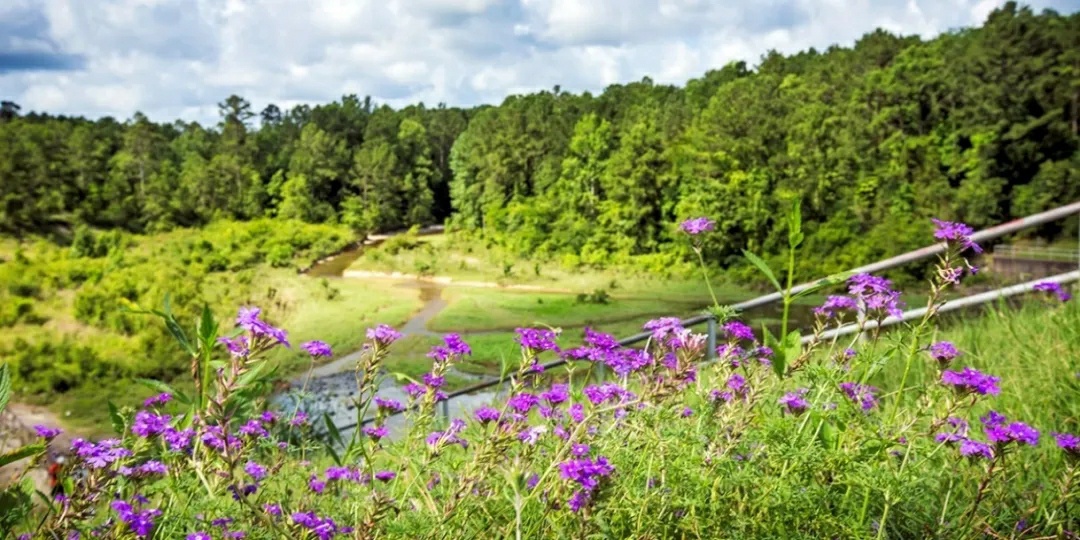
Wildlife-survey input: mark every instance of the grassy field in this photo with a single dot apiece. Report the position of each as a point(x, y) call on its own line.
point(617, 300)
point(72, 347)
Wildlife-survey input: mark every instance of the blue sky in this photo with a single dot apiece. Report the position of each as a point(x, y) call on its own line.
point(178, 58)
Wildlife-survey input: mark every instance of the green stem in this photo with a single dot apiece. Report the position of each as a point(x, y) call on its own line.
point(787, 292)
point(705, 273)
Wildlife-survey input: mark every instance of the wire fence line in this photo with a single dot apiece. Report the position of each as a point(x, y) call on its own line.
point(709, 319)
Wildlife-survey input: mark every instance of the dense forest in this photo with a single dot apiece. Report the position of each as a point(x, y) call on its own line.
point(978, 125)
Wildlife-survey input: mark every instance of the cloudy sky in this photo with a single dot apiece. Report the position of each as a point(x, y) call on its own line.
point(178, 58)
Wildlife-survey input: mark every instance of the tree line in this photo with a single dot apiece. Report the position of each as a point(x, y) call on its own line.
point(978, 124)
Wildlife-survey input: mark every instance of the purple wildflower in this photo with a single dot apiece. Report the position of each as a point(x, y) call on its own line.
point(158, 400)
point(256, 471)
point(523, 402)
point(687, 412)
point(577, 412)
point(199, 535)
point(971, 380)
point(736, 330)
point(860, 393)
point(737, 384)
point(1055, 288)
point(876, 294)
point(376, 432)
point(383, 334)
point(794, 401)
point(558, 393)
point(1000, 433)
point(587, 473)
point(178, 440)
point(148, 424)
point(254, 428)
point(955, 233)
point(385, 476)
point(944, 352)
point(958, 433)
point(317, 348)
point(698, 225)
point(46, 432)
point(1069, 443)
point(248, 319)
point(316, 484)
point(414, 390)
point(579, 450)
point(537, 339)
point(152, 467)
point(456, 345)
point(434, 381)
point(300, 419)
point(140, 522)
point(272, 509)
point(237, 347)
point(100, 455)
point(663, 326)
point(486, 414)
point(976, 449)
point(389, 405)
point(835, 305)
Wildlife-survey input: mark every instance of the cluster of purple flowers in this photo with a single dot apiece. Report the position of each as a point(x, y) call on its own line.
point(141, 522)
point(537, 339)
point(999, 432)
point(955, 233)
point(795, 402)
point(150, 468)
point(835, 306)
point(587, 474)
point(863, 395)
point(147, 424)
point(317, 349)
point(249, 320)
point(323, 528)
point(46, 432)
point(876, 294)
point(698, 225)
point(383, 334)
point(944, 352)
point(438, 440)
point(158, 400)
point(454, 346)
point(971, 380)
point(1055, 288)
point(101, 454)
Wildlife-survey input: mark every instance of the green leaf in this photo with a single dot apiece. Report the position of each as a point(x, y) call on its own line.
point(792, 346)
point(159, 386)
point(332, 429)
point(764, 268)
point(17, 504)
point(779, 362)
point(5, 385)
point(116, 419)
point(20, 453)
point(795, 235)
point(208, 328)
point(827, 281)
point(829, 435)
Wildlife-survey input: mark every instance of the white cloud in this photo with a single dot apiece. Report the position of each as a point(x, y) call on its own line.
point(178, 58)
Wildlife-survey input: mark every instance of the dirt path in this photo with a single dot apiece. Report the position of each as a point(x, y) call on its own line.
point(17, 422)
point(448, 281)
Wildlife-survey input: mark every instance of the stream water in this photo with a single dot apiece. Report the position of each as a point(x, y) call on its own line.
point(331, 386)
